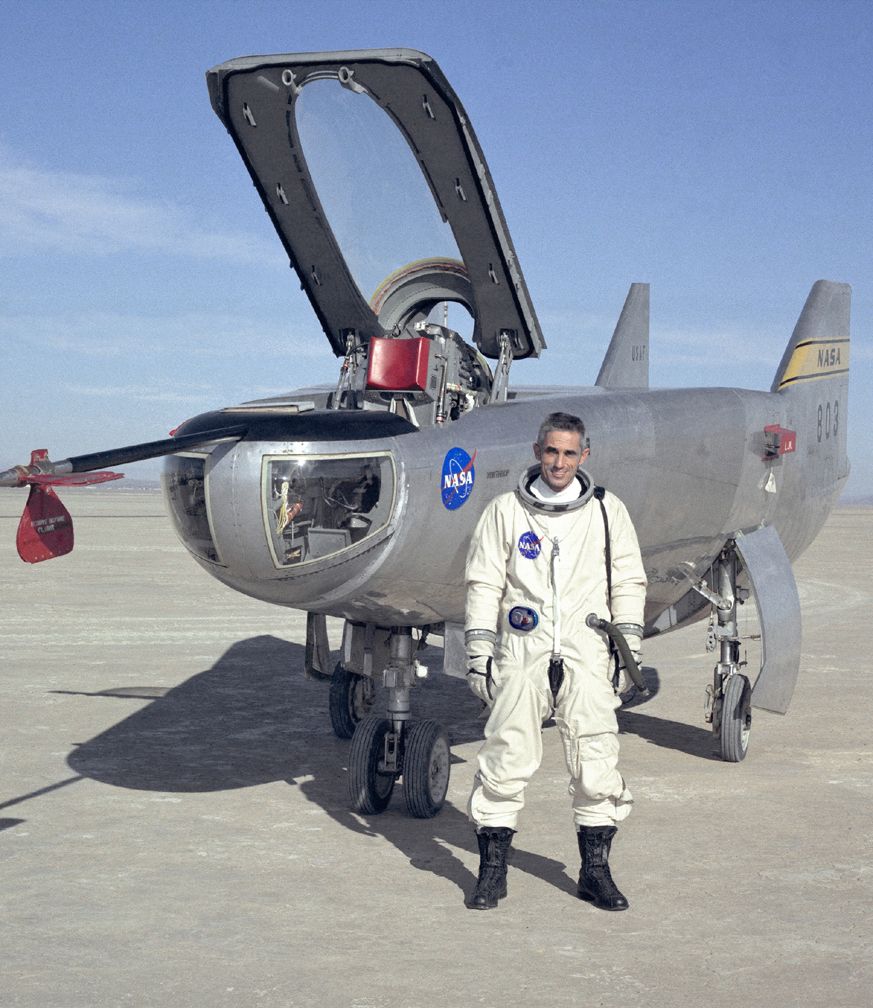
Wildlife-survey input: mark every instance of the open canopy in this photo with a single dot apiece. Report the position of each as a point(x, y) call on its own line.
point(377, 187)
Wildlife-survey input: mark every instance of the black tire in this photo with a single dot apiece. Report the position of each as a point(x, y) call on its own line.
point(736, 719)
point(426, 767)
point(369, 790)
point(351, 697)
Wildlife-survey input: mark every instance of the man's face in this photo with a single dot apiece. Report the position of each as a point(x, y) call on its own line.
point(559, 456)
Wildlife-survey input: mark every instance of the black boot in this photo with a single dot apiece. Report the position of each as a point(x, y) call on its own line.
point(595, 880)
point(494, 844)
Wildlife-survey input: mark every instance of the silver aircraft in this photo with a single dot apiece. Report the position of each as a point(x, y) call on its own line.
point(358, 501)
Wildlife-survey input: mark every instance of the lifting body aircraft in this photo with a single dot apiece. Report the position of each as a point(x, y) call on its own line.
point(358, 501)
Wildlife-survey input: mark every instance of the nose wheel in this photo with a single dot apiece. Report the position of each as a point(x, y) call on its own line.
point(419, 753)
point(385, 749)
point(351, 699)
point(371, 776)
point(426, 768)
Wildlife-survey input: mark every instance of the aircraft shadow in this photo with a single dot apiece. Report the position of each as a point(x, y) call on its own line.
point(250, 719)
point(659, 731)
point(247, 720)
point(253, 718)
point(669, 734)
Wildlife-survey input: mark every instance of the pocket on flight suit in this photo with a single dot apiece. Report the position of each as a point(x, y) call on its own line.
point(591, 760)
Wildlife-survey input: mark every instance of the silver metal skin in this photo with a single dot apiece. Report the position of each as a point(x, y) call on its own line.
point(626, 364)
point(683, 462)
point(358, 501)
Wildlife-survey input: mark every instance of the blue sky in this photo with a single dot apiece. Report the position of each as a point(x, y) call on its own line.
point(723, 152)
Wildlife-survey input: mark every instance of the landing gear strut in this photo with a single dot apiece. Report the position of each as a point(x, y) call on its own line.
point(386, 749)
point(729, 698)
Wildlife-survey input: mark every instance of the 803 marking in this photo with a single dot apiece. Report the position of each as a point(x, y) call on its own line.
point(828, 420)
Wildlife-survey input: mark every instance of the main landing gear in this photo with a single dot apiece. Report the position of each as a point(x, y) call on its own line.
point(729, 698)
point(386, 749)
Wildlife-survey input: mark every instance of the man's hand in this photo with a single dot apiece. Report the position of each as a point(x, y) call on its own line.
point(480, 678)
point(480, 663)
point(635, 644)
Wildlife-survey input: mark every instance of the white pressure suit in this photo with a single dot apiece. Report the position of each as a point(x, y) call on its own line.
point(512, 564)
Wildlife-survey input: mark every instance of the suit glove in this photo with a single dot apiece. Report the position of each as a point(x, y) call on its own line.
point(480, 677)
point(635, 644)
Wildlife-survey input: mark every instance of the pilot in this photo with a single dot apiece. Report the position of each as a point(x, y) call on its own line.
point(537, 566)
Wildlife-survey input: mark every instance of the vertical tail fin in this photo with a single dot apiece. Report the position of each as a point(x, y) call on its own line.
point(814, 379)
point(626, 364)
point(819, 346)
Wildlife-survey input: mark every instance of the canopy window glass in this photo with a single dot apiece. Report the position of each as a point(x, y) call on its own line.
point(317, 507)
point(372, 189)
point(185, 489)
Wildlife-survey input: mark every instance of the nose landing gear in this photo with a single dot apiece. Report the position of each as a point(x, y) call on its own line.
point(385, 750)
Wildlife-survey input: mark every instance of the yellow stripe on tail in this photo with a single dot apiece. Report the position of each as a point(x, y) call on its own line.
point(814, 359)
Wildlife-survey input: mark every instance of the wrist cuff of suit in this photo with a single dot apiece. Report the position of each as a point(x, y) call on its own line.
point(480, 642)
point(629, 629)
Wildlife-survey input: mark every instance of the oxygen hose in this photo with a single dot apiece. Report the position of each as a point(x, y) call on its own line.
point(618, 638)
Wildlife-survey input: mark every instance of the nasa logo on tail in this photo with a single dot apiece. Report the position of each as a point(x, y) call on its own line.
point(458, 477)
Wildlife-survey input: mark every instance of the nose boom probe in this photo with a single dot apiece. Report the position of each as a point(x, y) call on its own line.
point(46, 527)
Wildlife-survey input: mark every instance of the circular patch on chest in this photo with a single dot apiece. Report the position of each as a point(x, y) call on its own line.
point(523, 618)
point(529, 545)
